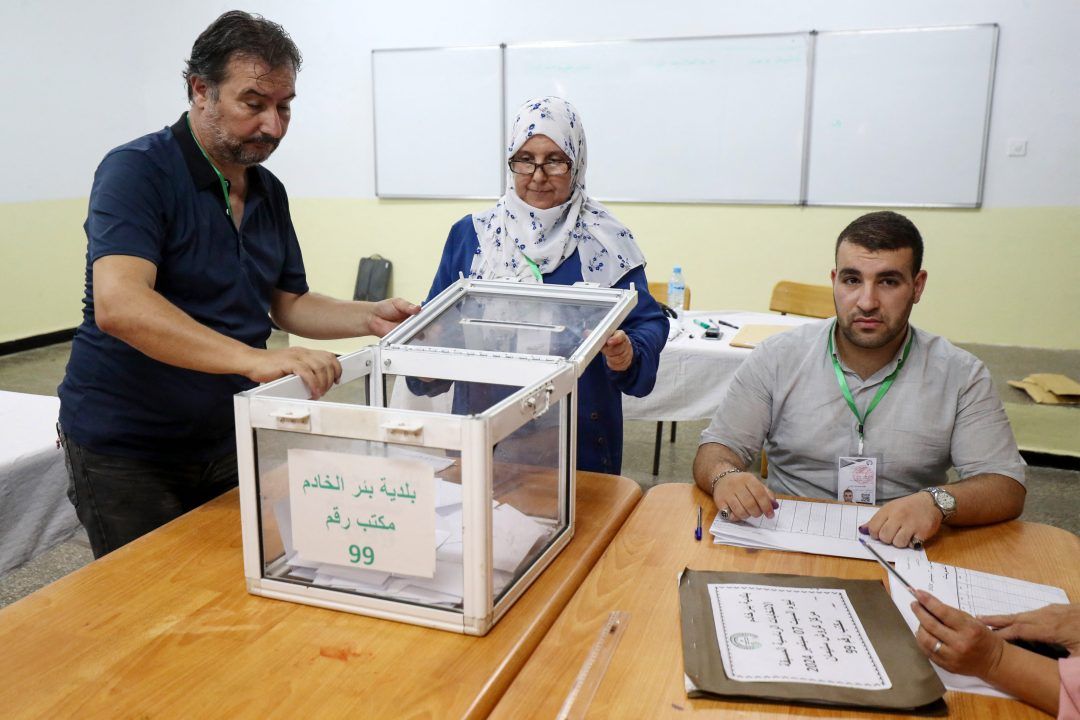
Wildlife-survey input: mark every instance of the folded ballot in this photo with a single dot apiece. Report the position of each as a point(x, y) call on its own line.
point(818, 528)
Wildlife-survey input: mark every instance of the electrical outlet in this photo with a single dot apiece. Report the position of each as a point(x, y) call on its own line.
point(1017, 148)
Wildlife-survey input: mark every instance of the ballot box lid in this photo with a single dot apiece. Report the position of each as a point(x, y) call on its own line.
point(507, 318)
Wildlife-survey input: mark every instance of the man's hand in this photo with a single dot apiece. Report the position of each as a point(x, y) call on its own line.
point(1054, 624)
point(388, 314)
point(618, 351)
point(317, 368)
point(901, 520)
point(955, 640)
point(744, 496)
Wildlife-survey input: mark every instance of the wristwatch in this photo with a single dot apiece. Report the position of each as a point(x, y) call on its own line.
point(945, 501)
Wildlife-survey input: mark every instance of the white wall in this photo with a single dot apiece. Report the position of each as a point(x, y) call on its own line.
point(84, 77)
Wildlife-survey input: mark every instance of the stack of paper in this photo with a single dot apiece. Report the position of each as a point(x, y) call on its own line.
point(976, 593)
point(810, 527)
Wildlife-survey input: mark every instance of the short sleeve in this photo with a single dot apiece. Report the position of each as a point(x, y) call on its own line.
point(742, 420)
point(128, 212)
point(983, 440)
point(293, 278)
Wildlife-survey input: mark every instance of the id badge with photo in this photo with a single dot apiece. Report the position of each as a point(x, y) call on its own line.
point(857, 480)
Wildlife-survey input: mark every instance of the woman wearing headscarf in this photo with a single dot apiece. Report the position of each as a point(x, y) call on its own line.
point(546, 229)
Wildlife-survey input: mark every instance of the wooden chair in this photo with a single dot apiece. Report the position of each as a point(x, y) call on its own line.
point(659, 292)
point(802, 299)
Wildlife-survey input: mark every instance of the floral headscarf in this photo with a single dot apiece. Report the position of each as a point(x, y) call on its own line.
point(512, 229)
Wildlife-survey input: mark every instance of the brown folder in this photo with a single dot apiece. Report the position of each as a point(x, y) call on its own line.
point(915, 685)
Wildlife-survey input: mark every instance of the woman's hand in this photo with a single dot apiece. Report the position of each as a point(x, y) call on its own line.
point(963, 644)
point(1054, 624)
point(618, 351)
point(955, 640)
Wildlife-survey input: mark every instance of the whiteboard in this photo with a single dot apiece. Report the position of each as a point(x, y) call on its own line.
point(901, 117)
point(716, 119)
point(438, 122)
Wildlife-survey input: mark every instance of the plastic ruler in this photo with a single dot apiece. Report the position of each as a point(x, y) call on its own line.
point(592, 670)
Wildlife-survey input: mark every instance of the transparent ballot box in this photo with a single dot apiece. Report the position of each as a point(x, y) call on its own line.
point(435, 481)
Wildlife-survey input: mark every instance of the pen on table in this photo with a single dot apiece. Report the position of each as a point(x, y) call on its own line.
point(705, 325)
point(885, 564)
point(697, 531)
point(721, 322)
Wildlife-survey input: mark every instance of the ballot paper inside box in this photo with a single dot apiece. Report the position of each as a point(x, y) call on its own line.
point(435, 481)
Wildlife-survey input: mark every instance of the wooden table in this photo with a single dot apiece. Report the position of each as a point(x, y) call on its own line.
point(164, 627)
point(637, 574)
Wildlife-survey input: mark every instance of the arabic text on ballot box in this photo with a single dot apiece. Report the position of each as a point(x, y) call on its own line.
point(373, 513)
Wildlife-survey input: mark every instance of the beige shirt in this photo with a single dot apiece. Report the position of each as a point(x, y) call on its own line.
point(941, 411)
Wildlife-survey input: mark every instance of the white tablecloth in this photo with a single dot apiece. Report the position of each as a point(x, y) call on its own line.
point(695, 372)
point(35, 513)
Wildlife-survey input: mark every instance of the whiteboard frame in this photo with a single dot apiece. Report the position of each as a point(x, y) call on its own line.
point(375, 130)
point(630, 41)
point(807, 139)
point(986, 118)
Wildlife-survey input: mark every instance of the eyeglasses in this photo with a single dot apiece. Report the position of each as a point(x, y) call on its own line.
point(552, 168)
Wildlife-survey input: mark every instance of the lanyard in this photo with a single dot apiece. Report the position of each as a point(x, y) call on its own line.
point(885, 385)
point(535, 270)
point(220, 177)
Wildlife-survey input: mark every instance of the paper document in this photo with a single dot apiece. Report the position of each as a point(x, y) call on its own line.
point(810, 527)
point(976, 593)
point(787, 634)
point(750, 336)
point(514, 534)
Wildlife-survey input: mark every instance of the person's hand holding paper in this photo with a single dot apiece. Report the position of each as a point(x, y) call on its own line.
point(961, 643)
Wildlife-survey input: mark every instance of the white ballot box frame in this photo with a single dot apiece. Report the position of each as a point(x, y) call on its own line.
point(544, 383)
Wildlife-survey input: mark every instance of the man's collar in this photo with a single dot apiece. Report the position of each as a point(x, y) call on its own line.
point(887, 368)
point(202, 172)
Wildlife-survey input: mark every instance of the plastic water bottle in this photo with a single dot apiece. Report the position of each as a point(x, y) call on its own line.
point(676, 290)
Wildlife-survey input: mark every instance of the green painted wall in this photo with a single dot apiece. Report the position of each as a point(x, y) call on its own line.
point(1008, 276)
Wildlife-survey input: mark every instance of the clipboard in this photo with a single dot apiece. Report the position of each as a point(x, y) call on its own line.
point(916, 687)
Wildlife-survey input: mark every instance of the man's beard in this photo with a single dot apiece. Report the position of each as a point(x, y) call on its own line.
point(869, 342)
point(237, 152)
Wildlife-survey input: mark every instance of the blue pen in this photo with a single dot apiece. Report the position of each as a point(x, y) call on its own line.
point(697, 531)
point(721, 322)
point(705, 325)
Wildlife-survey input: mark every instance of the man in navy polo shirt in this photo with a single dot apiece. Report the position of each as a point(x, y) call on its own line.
point(191, 254)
